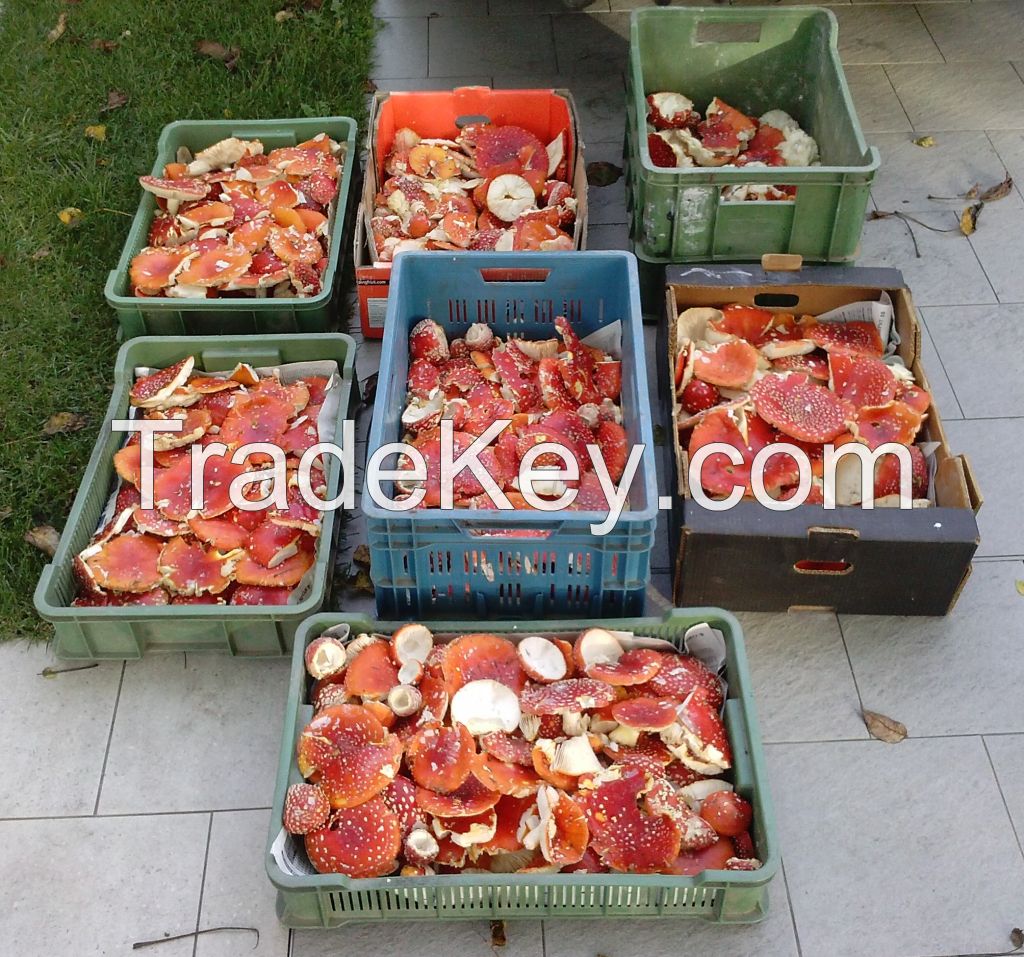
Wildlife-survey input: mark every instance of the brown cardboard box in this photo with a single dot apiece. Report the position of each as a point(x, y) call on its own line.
point(849, 559)
point(434, 114)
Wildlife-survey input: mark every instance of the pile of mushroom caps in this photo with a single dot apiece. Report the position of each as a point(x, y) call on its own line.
point(235, 221)
point(749, 378)
point(482, 754)
point(489, 187)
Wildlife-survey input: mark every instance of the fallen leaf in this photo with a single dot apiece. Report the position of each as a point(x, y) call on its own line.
point(96, 132)
point(61, 423)
point(361, 556)
point(1017, 938)
point(969, 218)
point(5, 513)
point(115, 100)
point(283, 15)
point(361, 582)
point(999, 191)
point(71, 216)
point(972, 193)
point(41, 253)
point(369, 387)
point(43, 537)
point(58, 31)
point(1020, 588)
point(603, 174)
point(369, 86)
point(217, 51)
point(498, 938)
point(104, 46)
point(925, 141)
point(883, 728)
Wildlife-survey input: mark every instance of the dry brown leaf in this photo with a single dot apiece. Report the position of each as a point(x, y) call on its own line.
point(969, 218)
point(43, 537)
point(361, 556)
point(71, 216)
point(498, 938)
point(361, 582)
point(61, 423)
point(96, 132)
point(603, 174)
point(884, 728)
point(972, 193)
point(104, 46)
point(41, 253)
point(58, 31)
point(5, 513)
point(369, 86)
point(217, 51)
point(283, 15)
point(115, 100)
point(925, 141)
point(1017, 938)
point(999, 191)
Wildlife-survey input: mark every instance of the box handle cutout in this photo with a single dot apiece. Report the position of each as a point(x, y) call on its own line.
point(461, 121)
point(515, 275)
point(711, 31)
point(807, 566)
point(776, 299)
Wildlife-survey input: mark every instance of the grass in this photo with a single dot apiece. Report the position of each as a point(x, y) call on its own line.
point(57, 335)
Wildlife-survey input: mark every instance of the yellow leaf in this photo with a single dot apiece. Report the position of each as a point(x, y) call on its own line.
point(97, 132)
point(1020, 588)
point(925, 141)
point(227, 113)
point(969, 218)
point(58, 31)
point(71, 215)
point(283, 15)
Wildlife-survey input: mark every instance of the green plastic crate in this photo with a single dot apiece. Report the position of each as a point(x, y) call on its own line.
point(756, 60)
point(159, 316)
point(327, 900)
point(131, 632)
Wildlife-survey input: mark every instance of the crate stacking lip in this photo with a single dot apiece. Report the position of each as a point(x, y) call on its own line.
point(151, 316)
point(330, 900)
point(132, 631)
point(756, 60)
point(431, 562)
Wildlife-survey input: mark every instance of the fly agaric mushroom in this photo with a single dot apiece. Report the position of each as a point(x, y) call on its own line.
point(634, 667)
point(799, 408)
point(507, 778)
point(327, 695)
point(478, 656)
point(856, 338)
point(861, 380)
point(175, 191)
point(410, 646)
point(427, 340)
point(361, 841)
point(152, 391)
point(703, 730)
point(679, 675)
point(563, 830)
point(624, 835)
point(400, 797)
point(570, 756)
point(711, 858)
point(506, 747)
point(441, 758)
point(223, 154)
point(190, 569)
point(695, 833)
point(470, 798)
point(596, 646)
point(541, 659)
point(727, 813)
point(128, 562)
point(405, 700)
point(728, 365)
point(645, 714)
point(306, 808)
point(571, 694)
point(325, 656)
point(349, 753)
point(468, 831)
point(697, 792)
point(371, 673)
point(420, 846)
point(486, 705)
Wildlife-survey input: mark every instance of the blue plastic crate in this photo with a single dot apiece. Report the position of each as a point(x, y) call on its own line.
point(432, 562)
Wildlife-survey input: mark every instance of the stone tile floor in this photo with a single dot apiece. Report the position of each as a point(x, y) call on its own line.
point(134, 800)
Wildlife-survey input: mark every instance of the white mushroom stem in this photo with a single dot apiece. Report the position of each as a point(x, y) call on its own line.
point(404, 700)
point(421, 846)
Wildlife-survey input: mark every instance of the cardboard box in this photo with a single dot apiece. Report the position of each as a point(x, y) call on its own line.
point(545, 113)
point(884, 561)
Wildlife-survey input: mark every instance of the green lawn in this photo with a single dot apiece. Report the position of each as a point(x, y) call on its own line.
point(57, 335)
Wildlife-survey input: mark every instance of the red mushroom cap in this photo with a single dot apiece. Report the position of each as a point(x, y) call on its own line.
point(150, 389)
point(508, 747)
point(400, 797)
point(127, 562)
point(506, 778)
point(857, 338)
point(634, 667)
point(799, 408)
point(704, 730)
point(730, 365)
point(325, 656)
point(509, 811)
point(306, 808)
point(695, 832)
point(645, 714)
point(567, 834)
point(713, 858)
point(893, 422)
point(861, 380)
point(679, 675)
point(480, 656)
point(441, 758)
point(472, 797)
point(371, 673)
point(561, 697)
point(349, 753)
point(626, 836)
point(361, 841)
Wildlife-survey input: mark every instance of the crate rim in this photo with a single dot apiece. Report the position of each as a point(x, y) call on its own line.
point(739, 175)
point(338, 882)
point(304, 303)
point(517, 516)
point(312, 603)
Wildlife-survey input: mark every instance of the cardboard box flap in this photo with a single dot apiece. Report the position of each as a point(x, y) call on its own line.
point(977, 500)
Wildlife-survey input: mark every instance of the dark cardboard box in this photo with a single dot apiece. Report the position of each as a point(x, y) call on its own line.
point(883, 561)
